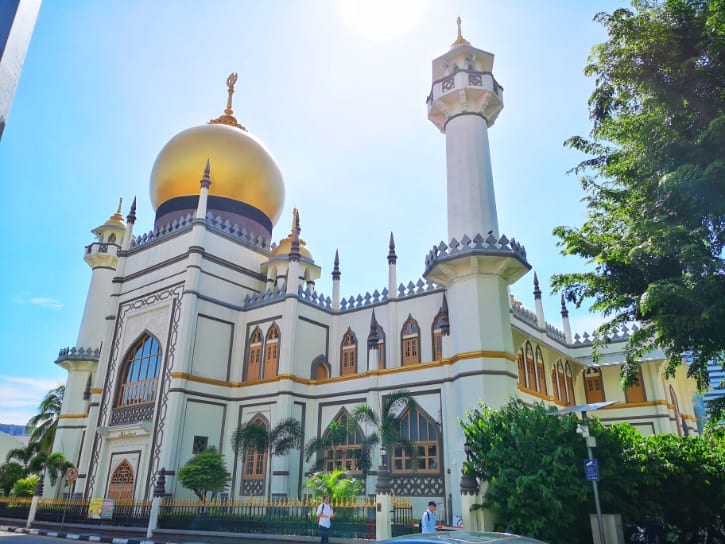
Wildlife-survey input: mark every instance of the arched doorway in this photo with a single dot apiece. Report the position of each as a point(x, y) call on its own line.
point(122, 482)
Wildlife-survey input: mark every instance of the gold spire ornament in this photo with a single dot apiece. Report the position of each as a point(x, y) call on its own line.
point(228, 118)
point(460, 40)
point(117, 216)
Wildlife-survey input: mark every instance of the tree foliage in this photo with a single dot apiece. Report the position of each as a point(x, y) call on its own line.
point(43, 425)
point(9, 474)
point(336, 484)
point(205, 473)
point(655, 182)
point(533, 463)
point(25, 487)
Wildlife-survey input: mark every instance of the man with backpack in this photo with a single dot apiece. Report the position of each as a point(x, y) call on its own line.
point(324, 515)
point(428, 521)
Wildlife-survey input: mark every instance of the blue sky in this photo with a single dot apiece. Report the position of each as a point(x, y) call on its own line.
point(335, 88)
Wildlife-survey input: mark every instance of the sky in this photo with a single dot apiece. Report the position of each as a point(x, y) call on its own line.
point(334, 88)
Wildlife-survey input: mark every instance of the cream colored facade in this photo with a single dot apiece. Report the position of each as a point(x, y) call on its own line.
point(204, 324)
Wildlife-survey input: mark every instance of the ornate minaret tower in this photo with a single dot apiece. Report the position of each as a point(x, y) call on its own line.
point(478, 264)
point(81, 361)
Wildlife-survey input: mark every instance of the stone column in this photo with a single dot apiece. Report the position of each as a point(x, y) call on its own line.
point(384, 502)
point(159, 492)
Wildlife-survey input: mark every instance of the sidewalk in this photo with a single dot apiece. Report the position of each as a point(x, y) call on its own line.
point(76, 536)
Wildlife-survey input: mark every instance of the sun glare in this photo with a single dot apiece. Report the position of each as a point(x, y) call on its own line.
point(382, 20)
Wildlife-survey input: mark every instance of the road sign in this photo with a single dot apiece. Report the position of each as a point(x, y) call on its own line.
point(591, 469)
point(71, 475)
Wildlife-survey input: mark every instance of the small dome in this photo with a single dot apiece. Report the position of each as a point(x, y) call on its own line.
point(285, 245)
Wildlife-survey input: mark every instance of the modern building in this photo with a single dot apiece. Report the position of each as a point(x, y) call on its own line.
point(17, 20)
point(213, 320)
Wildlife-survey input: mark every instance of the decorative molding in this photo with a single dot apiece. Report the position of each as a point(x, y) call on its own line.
point(72, 416)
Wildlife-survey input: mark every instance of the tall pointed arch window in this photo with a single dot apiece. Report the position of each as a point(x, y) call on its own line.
point(522, 368)
point(254, 356)
point(271, 352)
point(348, 353)
point(555, 382)
point(530, 367)
point(122, 482)
point(593, 385)
point(421, 432)
point(540, 373)
point(676, 410)
point(437, 335)
point(140, 375)
point(561, 382)
point(570, 400)
point(255, 462)
point(343, 441)
point(410, 342)
point(635, 392)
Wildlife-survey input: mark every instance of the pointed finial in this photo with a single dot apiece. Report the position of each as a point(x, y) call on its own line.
point(445, 323)
point(294, 253)
point(117, 216)
point(296, 222)
point(392, 257)
point(228, 118)
point(564, 311)
point(373, 335)
point(336, 267)
point(131, 217)
point(537, 291)
point(460, 40)
point(206, 180)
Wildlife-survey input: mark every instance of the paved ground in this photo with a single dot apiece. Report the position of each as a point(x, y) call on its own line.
point(9, 535)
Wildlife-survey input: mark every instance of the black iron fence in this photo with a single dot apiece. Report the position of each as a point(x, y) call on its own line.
point(14, 508)
point(121, 514)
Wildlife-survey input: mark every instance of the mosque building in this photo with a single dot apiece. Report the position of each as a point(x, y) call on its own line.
point(206, 323)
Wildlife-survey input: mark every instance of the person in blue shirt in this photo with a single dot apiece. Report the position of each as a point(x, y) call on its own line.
point(428, 521)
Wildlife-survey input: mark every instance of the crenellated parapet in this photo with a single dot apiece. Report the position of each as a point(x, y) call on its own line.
point(78, 354)
point(622, 334)
point(527, 316)
point(313, 297)
point(273, 294)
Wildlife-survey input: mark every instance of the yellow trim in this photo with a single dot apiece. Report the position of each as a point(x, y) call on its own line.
point(72, 416)
point(378, 372)
point(636, 404)
point(96, 390)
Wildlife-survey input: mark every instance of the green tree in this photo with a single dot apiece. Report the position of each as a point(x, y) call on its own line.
point(654, 183)
point(337, 484)
point(9, 474)
point(25, 487)
point(24, 455)
point(284, 437)
point(43, 425)
point(205, 473)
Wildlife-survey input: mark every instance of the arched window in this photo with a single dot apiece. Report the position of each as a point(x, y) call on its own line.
point(530, 368)
point(593, 385)
point(522, 369)
point(540, 374)
point(348, 353)
point(254, 357)
point(112, 239)
point(437, 337)
point(561, 379)
point(410, 342)
point(676, 410)
point(422, 434)
point(555, 381)
point(255, 462)
point(570, 400)
point(271, 352)
point(635, 393)
point(140, 374)
point(344, 444)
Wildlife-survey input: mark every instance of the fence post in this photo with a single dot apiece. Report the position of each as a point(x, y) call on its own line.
point(37, 495)
point(159, 492)
point(383, 502)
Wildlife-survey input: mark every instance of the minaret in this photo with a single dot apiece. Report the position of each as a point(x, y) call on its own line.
point(480, 264)
point(540, 320)
point(373, 348)
point(336, 282)
point(463, 103)
point(392, 270)
point(565, 321)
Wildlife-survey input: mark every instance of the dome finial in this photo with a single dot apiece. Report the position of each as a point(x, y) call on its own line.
point(228, 118)
point(460, 40)
point(117, 216)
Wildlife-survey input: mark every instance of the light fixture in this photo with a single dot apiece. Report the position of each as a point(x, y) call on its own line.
point(383, 451)
point(467, 449)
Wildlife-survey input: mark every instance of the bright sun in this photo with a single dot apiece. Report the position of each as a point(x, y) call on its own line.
point(382, 20)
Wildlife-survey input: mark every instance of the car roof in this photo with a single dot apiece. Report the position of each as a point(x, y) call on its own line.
point(462, 537)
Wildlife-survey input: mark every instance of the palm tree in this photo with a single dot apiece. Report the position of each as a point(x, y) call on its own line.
point(280, 440)
point(387, 423)
point(43, 425)
point(24, 455)
point(335, 436)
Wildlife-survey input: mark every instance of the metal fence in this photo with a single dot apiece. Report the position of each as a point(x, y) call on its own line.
point(14, 508)
point(125, 513)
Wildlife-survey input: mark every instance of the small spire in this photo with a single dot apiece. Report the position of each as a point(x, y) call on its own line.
point(537, 291)
point(117, 216)
point(294, 253)
point(228, 118)
point(206, 180)
point(336, 267)
point(296, 222)
point(445, 324)
point(392, 257)
point(460, 40)
point(564, 311)
point(373, 336)
point(131, 217)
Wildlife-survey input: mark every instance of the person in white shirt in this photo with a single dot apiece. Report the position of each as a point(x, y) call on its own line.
point(428, 521)
point(324, 515)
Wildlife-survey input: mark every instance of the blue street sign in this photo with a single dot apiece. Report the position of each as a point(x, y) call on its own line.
point(591, 469)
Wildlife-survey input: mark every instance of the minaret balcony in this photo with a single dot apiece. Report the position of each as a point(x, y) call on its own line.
point(464, 91)
point(102, 254)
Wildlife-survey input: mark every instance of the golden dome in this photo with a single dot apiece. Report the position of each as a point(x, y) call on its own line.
point(285, 245)
point(241, 168)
